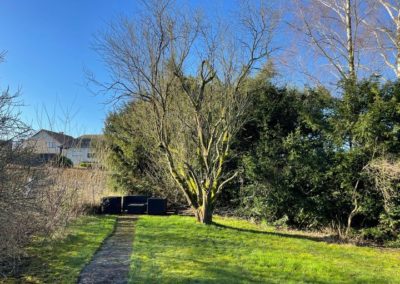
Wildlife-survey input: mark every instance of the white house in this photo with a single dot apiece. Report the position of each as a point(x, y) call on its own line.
point(47, 144)
point(83, 149)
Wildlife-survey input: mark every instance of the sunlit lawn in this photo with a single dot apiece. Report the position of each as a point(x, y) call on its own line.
point(60, 261)
point(177, 250)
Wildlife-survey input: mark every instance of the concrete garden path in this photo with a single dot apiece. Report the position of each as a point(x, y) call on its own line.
point(111, 262)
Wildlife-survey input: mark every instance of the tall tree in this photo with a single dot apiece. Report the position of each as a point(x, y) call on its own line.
point(384, 23)
point(193, 74)
point(332, 29)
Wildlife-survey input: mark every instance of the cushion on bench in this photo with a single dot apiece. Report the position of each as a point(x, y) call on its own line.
point(136, 208)
point(133, 199)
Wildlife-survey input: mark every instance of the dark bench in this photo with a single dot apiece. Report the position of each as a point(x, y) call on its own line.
point(156, 206)
point(135, 204)
point(111, 205)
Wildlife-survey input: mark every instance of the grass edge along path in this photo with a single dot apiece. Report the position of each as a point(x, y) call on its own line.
point(61, 260)
point(110, 263)
point(176, 249)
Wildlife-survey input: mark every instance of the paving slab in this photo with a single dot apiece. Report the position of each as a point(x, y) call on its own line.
point(111, 262)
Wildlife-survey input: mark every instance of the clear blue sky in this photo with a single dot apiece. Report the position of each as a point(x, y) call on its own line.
point(48, 46)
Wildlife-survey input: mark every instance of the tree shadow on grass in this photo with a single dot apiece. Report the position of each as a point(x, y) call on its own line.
point(325, 239)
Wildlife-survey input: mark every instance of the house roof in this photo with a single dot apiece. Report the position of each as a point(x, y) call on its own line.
point(66, 140)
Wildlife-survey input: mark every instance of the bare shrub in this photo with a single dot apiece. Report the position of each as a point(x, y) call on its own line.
point(20, 214)
point(386, 173)
point(41, 202)
point(35, 201)
point(72, 192)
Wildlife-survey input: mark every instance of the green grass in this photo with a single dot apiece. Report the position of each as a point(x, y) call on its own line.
point(60, 261)
point(177, 250)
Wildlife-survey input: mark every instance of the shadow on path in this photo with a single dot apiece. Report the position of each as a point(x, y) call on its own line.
point(111, 262)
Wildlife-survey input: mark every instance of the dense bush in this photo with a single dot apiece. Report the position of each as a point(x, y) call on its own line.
point(305, 155)
point(285, 154)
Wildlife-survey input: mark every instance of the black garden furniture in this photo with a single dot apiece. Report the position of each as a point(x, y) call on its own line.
point(156, 206)
point(134, 200)
point(136, 208)
point(111, 205)
point(134, 204)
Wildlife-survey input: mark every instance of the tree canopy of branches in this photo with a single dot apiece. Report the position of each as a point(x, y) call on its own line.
point(192, 73)
point(384, 24)
point(332, 29)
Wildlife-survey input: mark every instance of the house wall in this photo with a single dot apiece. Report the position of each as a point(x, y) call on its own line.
point(43, 143)
point(78, 155)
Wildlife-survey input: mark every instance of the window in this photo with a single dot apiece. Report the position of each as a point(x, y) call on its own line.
point(51, 145)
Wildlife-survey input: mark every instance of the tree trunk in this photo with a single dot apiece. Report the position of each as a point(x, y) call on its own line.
point(355, 209)
point(205, 211)
point(204, 215)
point(350, 47)
point(350, 220)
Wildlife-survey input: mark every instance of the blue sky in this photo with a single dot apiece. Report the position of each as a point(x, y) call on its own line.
point(48, 46)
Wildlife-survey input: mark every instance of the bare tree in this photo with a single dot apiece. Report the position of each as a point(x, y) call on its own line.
point(15, 183)
point(332, 29)
point(384, 24)
point(194, 76)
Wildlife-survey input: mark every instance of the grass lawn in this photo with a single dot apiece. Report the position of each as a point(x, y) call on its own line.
point(60, 261)
point(175, 249)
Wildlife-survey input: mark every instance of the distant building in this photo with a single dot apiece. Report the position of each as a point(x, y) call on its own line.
point(48, 144)
point(83, 149)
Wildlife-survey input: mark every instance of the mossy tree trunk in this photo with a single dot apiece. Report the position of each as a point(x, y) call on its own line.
point(204, 213)
point(202, 185)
